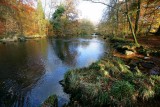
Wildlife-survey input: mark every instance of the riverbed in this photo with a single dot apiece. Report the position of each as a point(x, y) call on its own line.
point(30, 71)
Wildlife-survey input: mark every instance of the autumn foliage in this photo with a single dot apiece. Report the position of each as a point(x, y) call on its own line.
point(21, 19)
point(144, 17)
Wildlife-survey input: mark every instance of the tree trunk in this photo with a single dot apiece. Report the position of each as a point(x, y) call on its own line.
point(130, 24)
point(158, 31)
point(137, 17)
point(117, 12)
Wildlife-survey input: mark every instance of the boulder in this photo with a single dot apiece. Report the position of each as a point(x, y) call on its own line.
point(155, 71)
point(146, 58)
point(148, 65)
point(128, 52)
point(22, 39)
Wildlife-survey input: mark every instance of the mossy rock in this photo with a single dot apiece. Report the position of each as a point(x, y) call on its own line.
point(51, 101)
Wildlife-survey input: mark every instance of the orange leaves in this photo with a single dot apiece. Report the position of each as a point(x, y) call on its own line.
point(2, 26)
point(20, 14)
point(151, 1)
point(3, 3)
point(28, 9)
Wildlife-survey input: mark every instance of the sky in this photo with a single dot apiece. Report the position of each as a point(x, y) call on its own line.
point(91, 11)
point(86, 9)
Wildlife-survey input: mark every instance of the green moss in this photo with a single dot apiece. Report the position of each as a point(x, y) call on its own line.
point(148, 51)
point(122, 92)
point(119, 43)
point(110, 82)
point(51, 101)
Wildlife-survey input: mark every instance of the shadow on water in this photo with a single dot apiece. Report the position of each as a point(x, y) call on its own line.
point(65, 51)
point(20, 67)
point(31, 71)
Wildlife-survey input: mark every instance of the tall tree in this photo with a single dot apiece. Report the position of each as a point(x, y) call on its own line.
point(130, 23)
point(137, 16)
point(41, 18)
point(57, 19)
point(64, 18)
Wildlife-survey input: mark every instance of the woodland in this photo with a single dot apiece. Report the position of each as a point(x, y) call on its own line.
point(26, 18)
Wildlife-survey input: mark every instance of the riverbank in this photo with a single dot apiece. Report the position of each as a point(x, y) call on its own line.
point(116, 81)
point(20, 38)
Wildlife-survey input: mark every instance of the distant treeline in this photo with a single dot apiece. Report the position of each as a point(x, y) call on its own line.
point(23, 18)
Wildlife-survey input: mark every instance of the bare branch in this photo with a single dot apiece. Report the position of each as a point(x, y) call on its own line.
point(99, 3)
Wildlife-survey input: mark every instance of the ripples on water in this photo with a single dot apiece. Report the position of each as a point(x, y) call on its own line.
point(31, 71)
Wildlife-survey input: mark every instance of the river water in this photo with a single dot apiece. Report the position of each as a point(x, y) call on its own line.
point(30, 72)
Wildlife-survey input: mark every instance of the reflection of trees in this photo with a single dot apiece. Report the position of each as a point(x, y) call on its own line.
point(84, 44)
point(20, 67)
point(66, 51)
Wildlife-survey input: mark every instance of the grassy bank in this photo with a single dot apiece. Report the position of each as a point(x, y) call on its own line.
point(110, 82)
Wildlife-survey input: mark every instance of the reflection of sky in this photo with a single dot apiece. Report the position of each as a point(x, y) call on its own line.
point(89, 54)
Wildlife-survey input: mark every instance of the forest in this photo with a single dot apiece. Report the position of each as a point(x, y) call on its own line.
point(74, 62)
point(26, 18)
point(131, 17)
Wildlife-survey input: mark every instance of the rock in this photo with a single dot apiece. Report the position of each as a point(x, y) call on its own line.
point(146, 58)
point(133, 65)
point(128, 52)
point(22, 39)
point(9, 39)
point(121, 50)
point(155, 71)
point(148, 65)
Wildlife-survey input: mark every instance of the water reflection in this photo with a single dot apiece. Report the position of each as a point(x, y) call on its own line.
point(65, 51)
point(31, 71)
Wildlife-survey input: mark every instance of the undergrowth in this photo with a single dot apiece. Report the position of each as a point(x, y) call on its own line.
point(110, 82)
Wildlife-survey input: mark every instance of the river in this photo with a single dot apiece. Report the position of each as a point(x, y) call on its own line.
point(30, 71)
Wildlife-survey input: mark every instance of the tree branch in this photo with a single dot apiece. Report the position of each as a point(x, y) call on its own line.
point(99, 3)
